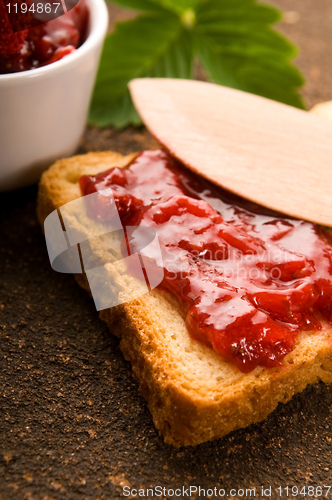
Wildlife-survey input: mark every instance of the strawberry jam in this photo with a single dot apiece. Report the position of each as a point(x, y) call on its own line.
point(42, 44)
point(247, 280)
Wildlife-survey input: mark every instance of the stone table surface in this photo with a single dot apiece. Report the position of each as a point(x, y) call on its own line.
point(72, 423)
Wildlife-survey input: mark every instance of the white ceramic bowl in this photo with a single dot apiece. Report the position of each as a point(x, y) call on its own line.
point(43, 111)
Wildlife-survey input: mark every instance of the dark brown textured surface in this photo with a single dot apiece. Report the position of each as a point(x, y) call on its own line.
point(308, 23)
point(72, 424)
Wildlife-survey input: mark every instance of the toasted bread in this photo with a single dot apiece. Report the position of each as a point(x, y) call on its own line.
point(193, 394)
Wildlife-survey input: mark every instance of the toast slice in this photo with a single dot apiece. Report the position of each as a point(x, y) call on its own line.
point(192, 393)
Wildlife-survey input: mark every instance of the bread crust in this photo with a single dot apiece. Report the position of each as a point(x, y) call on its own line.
point(192, 393)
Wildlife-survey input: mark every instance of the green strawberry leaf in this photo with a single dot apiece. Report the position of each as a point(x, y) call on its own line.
point(175, 6)
point(232, 39)
point(143, 5)
point(239, 49)
point(127, 55)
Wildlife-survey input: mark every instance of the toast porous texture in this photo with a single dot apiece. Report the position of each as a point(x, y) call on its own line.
point(192, 393)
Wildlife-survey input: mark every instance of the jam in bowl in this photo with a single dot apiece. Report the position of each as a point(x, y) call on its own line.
point(45, 92)
point(43, 44)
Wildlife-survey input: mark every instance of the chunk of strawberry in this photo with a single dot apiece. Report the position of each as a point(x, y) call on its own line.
point(10, 43)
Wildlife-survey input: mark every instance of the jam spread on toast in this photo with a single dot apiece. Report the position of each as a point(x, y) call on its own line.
point(43, 44)
point(247, 280)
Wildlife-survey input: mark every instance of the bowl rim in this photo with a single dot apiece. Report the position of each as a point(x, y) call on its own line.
point(98, 24)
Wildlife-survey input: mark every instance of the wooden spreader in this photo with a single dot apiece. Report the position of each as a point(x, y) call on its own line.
point(270, 153)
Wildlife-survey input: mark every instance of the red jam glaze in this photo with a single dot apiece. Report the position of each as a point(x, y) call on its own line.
point(43, 44)
point(248, 280)
point(9, 42)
